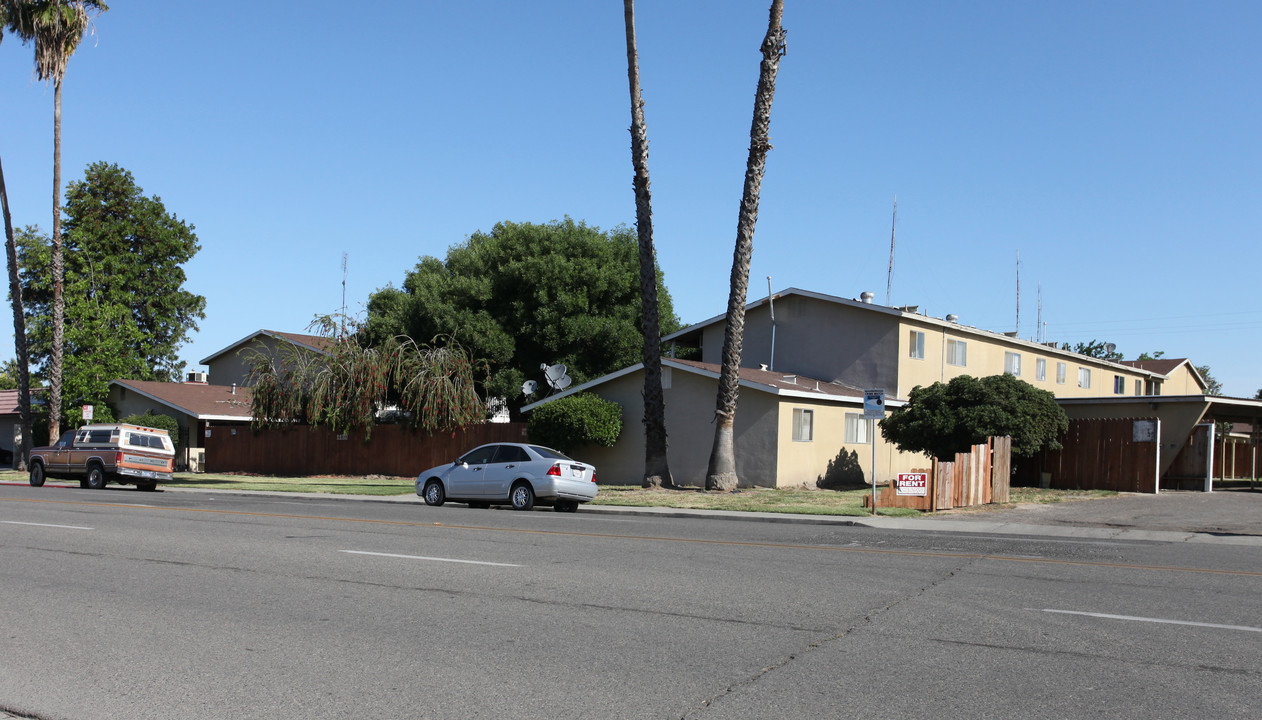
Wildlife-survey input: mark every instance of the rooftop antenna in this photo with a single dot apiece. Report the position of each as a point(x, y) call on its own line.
point(343, 318)
point(1038, 329)
point(889, 278)
point(1018, 292)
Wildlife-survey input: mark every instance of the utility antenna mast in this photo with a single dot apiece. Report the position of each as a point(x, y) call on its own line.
point(343, 318)
point(1038, 329)
point(1018, 292)
point(889, 278)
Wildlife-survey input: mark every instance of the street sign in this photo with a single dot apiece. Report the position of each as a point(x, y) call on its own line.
point(87, 413)
point(874, 404)
point(912, 484)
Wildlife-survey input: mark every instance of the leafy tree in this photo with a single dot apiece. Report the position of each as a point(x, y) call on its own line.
point(124, 287)
point(573, 421)
point(941, 420)
point(1098, 349)
point(56, 27)
point(1258, 395)
point(524, 295)
point(347, 388)
point(721, 473)
point(1212, 385)
point(656, 467)
point(1157, 355)
point(9, 375)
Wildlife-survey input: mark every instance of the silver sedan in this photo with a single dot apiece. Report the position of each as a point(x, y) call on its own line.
point(519, 474)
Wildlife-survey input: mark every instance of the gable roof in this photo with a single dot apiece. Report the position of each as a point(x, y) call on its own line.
point(774, 383)
point(1165, 366)
point(8, 402)
point(692, 333)
point(315, 343)
point(204, 402)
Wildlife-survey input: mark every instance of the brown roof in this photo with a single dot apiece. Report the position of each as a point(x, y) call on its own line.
point(781, 380)
point(196, 399)
point(1161, 367)
point(8, 402)
point(317, 343)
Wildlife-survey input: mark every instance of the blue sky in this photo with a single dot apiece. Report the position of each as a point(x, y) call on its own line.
point(1114, 145)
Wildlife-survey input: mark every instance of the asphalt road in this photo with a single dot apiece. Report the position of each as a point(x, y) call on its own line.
point(119, 604)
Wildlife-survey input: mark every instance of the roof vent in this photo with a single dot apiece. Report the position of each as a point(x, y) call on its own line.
point(1011, 333)
point(908, 308)
point(793, 379)
point(953, 318)
point(866, 297)
point(763, 367)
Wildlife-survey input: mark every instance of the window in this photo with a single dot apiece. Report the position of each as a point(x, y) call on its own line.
point(1119, 385)
point(1084, 377)
point(916, 345)
point(957, 353)
point(1139, 387)
point(1040, 369)
point(856, 429)
point(1012, 363)
point(803, 425)
point(666, 378)
point(479, 456)
point(511, 454)
point(1060, 373)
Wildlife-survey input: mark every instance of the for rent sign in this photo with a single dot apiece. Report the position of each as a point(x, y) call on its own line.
point(912, 484)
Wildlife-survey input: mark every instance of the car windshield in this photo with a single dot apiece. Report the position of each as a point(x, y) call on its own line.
point(550, 453)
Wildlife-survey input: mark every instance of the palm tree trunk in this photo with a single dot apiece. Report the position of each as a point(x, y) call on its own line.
point(721, 474)
point(58, 263)
point(22, 359)
point(656, 467)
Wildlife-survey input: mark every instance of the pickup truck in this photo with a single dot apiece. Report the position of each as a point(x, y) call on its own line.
point(99, 454)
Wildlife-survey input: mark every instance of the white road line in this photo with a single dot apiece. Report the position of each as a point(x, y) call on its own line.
point(64, 527)
point(422, 557)
point(1155, 620)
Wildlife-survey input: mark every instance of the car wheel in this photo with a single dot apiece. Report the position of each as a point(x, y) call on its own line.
point(147, 485)
point(566, 506)
point(96, 478)
point(434, 493)
point(523, 496)
point(37, 474)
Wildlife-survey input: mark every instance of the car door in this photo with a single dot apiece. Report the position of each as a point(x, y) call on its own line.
point(466, 477)
point(503, 469)
point(58, 461)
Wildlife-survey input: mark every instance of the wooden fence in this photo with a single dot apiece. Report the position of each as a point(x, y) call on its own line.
point(392, 449)
point(1098, 454)
point(978, 477)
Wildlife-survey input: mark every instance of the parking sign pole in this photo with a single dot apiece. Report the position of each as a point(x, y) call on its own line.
point(873, 410)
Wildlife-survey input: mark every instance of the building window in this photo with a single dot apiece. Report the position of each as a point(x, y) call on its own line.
point(803, 425)
point(1040, 369)
point(1012, 363)
point(666, 379)
point(856, 429)
point(1084, 377)
point(1060, 373)
point(1139, 387)
point(1119, 385)
point(916, 344)
point(957, 353)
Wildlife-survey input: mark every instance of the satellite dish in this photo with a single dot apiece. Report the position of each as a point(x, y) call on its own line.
point(1109, 348)
point(528, 387)
point(562, 382)
point(553, 373)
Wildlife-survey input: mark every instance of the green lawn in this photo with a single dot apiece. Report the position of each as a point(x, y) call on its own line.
point(799, 501)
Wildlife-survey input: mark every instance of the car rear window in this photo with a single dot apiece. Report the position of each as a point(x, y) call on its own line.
point(550, 453)
point(99, 436)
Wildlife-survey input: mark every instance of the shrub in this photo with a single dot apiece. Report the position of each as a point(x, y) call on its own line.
point(576, 420)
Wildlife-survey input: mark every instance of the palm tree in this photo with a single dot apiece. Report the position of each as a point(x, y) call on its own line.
point(721, 474)
point(56, 27)
point(656, 467)
point(22, 359)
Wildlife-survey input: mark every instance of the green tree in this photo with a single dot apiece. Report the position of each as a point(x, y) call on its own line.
point(656, 467)
point(124, 287)
point(1156, 355)
point(941, 420)
point(721, 473)
point(1258, 395)
point(9, 375)
point(1212, 385)
point(524, 295)
point(1098, 349)
point(56, 27)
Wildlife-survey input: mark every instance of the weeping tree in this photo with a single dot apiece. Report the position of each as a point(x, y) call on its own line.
point(721, 474)
point(56, 27)
point(351, 385)
point(656, 467)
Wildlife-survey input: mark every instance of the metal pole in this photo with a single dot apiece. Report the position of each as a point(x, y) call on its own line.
point(872, 439)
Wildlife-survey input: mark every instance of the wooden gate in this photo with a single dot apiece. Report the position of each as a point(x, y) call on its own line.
point(978, 477)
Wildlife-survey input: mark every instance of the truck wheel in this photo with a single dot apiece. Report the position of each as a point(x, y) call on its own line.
point(37, 475)
point(96, 478)
point(147, 485)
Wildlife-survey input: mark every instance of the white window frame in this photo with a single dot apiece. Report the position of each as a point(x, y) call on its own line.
point(1119, 385)
point(1012, 363)
point(857, 429)
point(916, 342)
point(1084, 378)
point(1061, 370)
point(1139, 386)
point(956, 352)
point(1040, 369)
point(803, 425)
